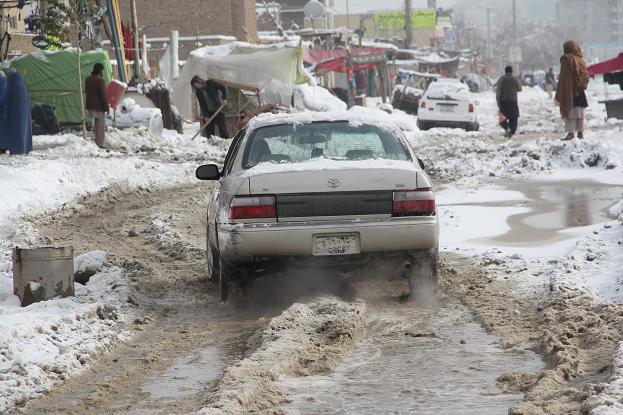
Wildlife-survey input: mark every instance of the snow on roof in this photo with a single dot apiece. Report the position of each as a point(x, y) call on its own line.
point(226, 49)
point(357, 116)
point(370, 43)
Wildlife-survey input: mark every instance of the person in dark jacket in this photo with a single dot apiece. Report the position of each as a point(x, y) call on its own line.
point(506, 93)
point(96, 102)
point(550, 82)
point(211, 95)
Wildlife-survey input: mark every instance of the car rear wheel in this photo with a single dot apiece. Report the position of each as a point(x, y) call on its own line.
point(423, 125)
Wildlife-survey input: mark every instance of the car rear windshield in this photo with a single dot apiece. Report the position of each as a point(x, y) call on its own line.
point(296, 143)
point(447, 92)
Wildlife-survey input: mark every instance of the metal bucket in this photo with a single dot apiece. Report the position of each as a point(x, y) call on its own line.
point(43, 273)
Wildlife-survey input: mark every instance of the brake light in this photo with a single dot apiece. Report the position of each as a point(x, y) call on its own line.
point(418, 202)
point(253, 207)
point(423, 104)
point(471, 108)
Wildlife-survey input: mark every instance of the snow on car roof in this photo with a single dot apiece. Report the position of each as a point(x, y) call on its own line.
point(374, 117)
point(328, 164)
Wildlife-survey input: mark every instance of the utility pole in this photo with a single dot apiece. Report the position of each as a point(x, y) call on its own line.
point(137, 52)
point(408, 24)
point(515, 50)
point(347, 16)
point(489, 45)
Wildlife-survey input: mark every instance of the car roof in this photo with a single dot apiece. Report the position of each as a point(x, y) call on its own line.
point(362, 116)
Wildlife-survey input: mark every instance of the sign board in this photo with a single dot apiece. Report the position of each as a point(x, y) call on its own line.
point(421, 19)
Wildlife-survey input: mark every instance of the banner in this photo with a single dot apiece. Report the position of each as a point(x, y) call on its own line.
point(421, 19)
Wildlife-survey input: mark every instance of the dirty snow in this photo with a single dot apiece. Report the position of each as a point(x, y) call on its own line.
point(46, 342)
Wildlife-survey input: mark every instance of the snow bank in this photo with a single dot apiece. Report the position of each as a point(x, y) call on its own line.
point(316, 98)
point(130, 114)
point(90, 262)
point(171, 242)
point(46, 342)
point(304, 339)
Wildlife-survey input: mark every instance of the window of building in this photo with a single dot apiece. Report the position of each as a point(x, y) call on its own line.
point(13, 22)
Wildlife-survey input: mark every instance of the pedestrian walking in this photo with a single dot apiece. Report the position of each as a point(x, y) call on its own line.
point(507, 88)
point(570, 95)
point(550, 82)
point(211, 95)
point(96, 102)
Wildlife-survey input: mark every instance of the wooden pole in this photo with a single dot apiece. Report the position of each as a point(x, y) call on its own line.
point(203, 127)
point(137, 52)
point(83, 112)
point(408, 25)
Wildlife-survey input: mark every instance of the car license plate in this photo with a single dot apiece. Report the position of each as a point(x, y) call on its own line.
point(446, 108)
point(339, 244)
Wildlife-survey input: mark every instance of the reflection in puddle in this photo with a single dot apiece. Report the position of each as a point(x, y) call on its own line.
point(415, 362)
point(553, 208)
point(186, 376)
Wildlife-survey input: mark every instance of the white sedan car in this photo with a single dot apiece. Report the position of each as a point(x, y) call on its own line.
point(318, 189)
point(448, 103)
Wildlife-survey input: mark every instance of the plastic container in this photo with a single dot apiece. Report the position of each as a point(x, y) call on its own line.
point(114, 92)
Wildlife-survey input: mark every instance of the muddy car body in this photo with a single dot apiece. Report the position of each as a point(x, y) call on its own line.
point(318, 188)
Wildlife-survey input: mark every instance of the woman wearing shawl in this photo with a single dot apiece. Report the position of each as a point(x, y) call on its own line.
point(570, 94)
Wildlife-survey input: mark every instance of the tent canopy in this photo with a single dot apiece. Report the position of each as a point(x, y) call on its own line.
point(336, 60)
point(52, 78)
point(270, 70)
point(612, 65)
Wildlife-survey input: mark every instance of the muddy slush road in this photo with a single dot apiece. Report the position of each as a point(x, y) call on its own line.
point(184, 339)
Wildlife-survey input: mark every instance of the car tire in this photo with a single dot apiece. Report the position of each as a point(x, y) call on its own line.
point(423, 126)
point(223, 286)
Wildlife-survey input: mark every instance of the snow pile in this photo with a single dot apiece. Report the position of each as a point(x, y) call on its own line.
point(48, 341)
point(130, 114)
point(316, 98)
point(171, 242)
point(304, 339)
point(90, 262)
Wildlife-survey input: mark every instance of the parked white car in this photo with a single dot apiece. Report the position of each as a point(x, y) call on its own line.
point(448, 103)
point(319, 188)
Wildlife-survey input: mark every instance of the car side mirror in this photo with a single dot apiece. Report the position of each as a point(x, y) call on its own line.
point(421, 163)
point(208, 172)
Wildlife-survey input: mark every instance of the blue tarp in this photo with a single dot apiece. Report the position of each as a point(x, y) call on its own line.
point(15, 118)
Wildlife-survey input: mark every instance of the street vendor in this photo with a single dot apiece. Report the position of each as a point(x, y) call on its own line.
point(211, 95)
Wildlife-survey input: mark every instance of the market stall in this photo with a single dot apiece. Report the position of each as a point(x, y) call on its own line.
point(612, 71)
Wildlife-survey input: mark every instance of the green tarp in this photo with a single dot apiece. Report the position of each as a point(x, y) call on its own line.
point(52, 78)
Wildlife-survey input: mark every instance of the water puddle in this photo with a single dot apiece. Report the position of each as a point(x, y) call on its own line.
point(415, 361)
point(186, 376)
point(527, 214)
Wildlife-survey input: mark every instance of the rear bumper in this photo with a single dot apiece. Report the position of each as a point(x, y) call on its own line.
point(430, 118)
point(449, 124)
point(242, 243)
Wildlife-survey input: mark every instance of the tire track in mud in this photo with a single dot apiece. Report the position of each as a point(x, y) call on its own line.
point(181, 313)
point(574, 332)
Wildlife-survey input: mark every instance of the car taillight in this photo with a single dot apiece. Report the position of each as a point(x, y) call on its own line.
point(471, 108)
point(253, 207)
point(418, 202)
point(423, 104)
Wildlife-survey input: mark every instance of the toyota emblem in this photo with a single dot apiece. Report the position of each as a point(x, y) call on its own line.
point(333, 183)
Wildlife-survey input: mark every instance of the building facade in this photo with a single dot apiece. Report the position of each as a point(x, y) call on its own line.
point(598, 24)
point(157, 18)
point(17, 42)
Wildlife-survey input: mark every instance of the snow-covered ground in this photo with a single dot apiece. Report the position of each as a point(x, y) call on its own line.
point(48, 341)
point(480, 207)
